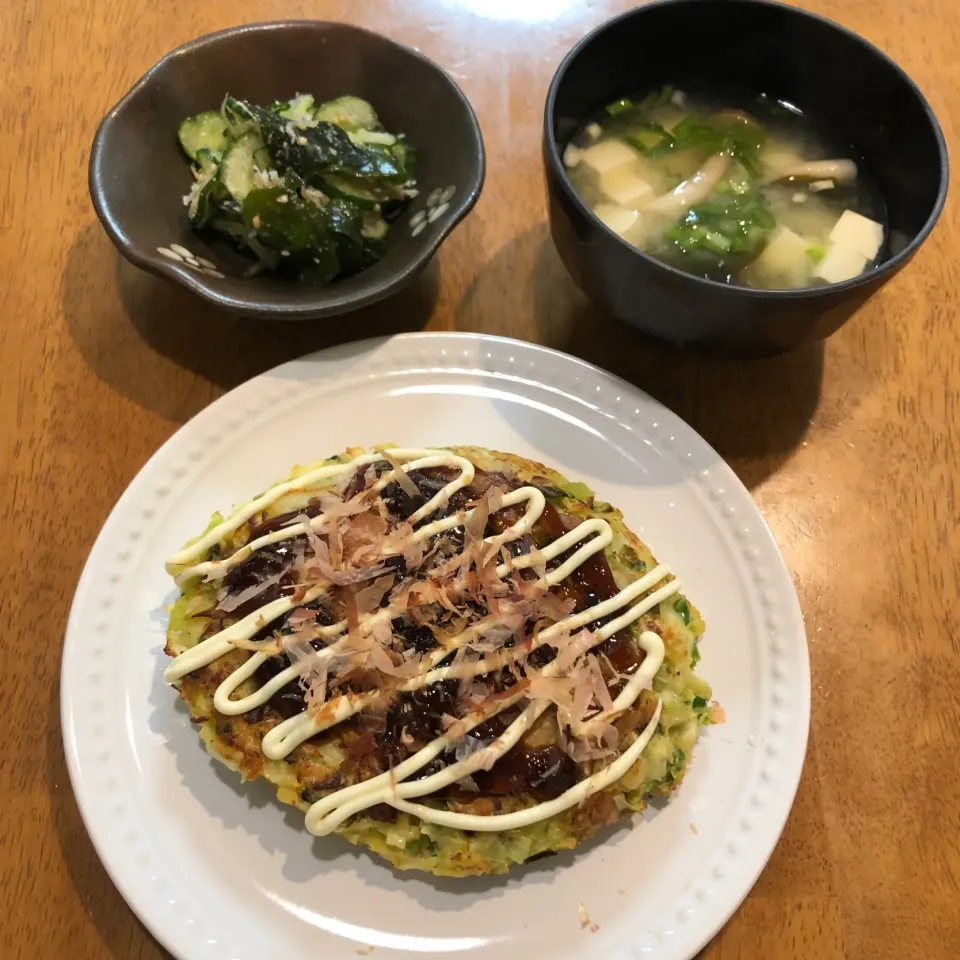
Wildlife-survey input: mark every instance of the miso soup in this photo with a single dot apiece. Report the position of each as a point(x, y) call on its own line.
point(739, 189)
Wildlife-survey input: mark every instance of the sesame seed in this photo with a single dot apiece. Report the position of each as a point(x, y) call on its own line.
point(434, 197)
point(282, 198)
point(418, 218)
point(256, 221)
point(302, 141)
point(418, 229)
point(213, 273)
point(448, 194)
point(284, 253)
point(206, 263)
point(169, 254)
point(183, 251)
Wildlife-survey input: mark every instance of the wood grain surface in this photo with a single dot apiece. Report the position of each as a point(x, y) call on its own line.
point(850, 448)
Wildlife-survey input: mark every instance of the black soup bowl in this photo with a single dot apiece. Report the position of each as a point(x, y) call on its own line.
point(139, 174)
point(842, 82)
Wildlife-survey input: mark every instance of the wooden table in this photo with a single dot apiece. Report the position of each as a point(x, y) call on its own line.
point(850, 449)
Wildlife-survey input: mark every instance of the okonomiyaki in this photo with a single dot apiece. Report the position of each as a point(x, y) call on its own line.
point(454, 657)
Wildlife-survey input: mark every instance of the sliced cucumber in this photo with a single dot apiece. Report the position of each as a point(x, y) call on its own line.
point(262, 159)
point(207, 161)
point(379, 137)
point(203, 200)
point(299, 110)
point(350, 113)
point(359, 190)
point(239, 163)
point(307, 188)
point(206, 131)
point(239, 116)
point(405, 157)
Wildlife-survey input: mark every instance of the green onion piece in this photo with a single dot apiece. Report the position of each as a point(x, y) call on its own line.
point(619, 106)
point(726, 224)
point(716, 242)
point(748, 159)
point(676, 764)
point(699, 703)
point(708, 209)
point(632, 559)
point(816, 252)
point(657, 98)
point(687, 128)
point(762, 217)
point(648, 137)
point(683, 608)
point(695, 654)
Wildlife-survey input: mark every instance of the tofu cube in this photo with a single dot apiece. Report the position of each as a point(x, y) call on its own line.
point(840, 263)
point(618, 219)
point(626, 188)
point(614, 171)
point(783, 263)
point(604, 158)
point(857, 233)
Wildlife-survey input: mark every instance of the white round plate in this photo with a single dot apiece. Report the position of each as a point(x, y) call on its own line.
point(222, 871)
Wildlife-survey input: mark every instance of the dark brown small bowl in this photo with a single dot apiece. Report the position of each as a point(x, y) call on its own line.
point(139, 174)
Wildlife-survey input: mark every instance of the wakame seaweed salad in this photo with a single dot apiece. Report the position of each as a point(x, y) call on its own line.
point(308, 189)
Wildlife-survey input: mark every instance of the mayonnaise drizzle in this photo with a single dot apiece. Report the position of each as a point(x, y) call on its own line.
point(326, 814)
point(522, 818)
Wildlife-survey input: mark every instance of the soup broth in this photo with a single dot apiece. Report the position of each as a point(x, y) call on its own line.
point(738, 189)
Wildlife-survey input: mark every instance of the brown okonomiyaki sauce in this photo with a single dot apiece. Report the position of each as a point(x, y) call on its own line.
point(373, 742)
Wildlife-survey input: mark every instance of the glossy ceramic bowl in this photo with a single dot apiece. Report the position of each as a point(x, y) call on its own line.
point(139, 174)
point(839, 79)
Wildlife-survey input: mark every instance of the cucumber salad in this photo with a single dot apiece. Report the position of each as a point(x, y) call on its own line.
point(309, 189)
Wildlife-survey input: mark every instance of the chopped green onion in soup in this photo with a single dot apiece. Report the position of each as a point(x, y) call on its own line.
point(732, 188)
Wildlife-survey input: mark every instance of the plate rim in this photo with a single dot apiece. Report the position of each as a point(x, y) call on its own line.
point(800, 707)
